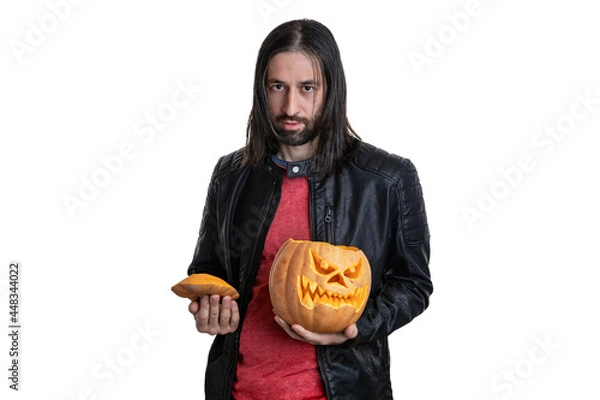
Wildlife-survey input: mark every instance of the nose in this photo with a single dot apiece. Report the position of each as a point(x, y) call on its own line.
point(338, 278)
point(291, 104)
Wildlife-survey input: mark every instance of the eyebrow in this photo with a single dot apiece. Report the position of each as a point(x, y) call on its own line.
point(306, 82)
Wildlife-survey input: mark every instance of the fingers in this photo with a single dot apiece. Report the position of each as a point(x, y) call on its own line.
point(286, 327)
point(300, 333)
point(317, 338)
point(351, 332)
point(215, 316)
point(225, 314)
point(202, 314)
point(230, 316)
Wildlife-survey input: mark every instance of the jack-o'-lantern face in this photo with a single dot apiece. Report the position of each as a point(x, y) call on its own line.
point(332, 285)
point(320, 286)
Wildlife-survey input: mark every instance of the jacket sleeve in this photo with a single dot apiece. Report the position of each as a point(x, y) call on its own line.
point(207, 259)
point(407, 283)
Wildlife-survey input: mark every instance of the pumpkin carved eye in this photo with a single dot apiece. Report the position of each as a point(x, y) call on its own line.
point(320, 265)
point(354, 271)
point(323, 267)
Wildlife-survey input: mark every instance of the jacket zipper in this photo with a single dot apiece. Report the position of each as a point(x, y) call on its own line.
point(321, 350)
point(329, 224)
point(321, 362)
point(313, 235)
point(244, 289)
point(328, 219)
point(228, 221)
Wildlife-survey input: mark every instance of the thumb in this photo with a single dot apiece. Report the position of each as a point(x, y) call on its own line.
point(193, 307)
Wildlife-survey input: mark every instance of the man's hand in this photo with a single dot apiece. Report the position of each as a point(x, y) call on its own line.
point(299, 333)
point(214, 315)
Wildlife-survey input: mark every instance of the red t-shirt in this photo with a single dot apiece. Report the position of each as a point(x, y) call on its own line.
point(271, 364)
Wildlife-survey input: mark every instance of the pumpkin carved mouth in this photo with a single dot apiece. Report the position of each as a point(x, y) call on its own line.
point(311, 294)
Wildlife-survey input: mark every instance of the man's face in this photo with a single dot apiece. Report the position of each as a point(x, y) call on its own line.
point(295, 93)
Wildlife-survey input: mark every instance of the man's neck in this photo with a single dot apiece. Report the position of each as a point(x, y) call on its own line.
point(298, 153)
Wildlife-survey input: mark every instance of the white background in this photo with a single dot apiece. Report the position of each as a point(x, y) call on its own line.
point(524, 272)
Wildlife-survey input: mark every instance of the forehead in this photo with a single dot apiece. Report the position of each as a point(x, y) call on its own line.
point(293, 66)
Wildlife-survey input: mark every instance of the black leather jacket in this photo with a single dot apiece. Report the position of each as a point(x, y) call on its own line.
point(375, 203)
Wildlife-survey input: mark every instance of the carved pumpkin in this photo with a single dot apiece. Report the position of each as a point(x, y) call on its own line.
point(322, 287)
point(198, 285)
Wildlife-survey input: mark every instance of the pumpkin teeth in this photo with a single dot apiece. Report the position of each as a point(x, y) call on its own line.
point(313, 288)
point(311, 294)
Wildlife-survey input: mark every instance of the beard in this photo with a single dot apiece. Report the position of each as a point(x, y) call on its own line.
point(295, 137)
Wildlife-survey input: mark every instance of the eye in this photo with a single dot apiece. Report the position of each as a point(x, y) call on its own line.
point(354, 271)
point(321, 265)
point(308, 88)
point(277, 87)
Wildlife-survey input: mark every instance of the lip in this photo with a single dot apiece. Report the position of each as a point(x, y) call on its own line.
point(290, 124)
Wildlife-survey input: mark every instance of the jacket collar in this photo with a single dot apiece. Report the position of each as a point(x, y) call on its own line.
point(294, 169)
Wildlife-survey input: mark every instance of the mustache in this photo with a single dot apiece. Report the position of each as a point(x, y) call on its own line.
point(288, 118)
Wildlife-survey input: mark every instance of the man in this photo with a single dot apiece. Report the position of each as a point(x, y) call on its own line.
point(305, 174)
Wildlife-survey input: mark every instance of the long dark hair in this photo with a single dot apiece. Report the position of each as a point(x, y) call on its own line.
point(336, 136)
